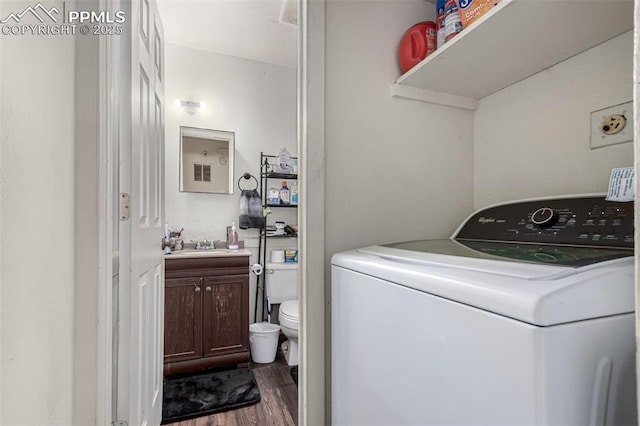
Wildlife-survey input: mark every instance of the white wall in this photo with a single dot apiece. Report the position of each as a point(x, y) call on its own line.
point(254, 99)
point(532, 138)
point(36, 226)
point(395, 169)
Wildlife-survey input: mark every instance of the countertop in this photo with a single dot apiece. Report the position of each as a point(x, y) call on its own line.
point(192, 253)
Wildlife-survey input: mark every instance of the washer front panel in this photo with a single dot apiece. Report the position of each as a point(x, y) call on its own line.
point(590, 221)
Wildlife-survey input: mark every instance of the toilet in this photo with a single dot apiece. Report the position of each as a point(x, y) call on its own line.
point(282, 288)
point(289, 321)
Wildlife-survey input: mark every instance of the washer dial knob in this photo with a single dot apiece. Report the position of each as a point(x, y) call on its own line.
point(544, 216)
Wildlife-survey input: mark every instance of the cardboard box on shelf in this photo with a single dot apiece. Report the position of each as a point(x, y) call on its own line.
point(291, 256)
point(471, 10)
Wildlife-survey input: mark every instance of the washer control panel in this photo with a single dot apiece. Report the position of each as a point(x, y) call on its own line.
point(591, 221)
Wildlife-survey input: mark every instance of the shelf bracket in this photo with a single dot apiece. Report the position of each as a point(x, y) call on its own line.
point(432, 97)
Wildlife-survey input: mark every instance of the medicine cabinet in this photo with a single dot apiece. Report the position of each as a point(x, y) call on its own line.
point(206, 160)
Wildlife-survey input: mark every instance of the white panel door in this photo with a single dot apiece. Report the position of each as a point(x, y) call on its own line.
point(142, 176)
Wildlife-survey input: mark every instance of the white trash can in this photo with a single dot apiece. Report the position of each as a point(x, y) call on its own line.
point(263, 338)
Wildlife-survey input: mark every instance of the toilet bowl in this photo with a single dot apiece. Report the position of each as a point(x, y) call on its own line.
point(289, 323)
point(282, 288)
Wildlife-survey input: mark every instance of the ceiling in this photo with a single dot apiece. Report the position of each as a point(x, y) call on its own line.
point(245, 28)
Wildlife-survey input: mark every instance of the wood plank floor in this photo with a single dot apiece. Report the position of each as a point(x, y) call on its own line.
point(278, 405)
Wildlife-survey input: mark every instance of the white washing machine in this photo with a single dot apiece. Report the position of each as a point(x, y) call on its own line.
point(524, 317)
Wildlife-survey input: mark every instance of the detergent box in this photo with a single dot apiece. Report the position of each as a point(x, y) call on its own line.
point(471, 10)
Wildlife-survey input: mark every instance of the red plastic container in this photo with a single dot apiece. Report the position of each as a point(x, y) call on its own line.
point(417, 43)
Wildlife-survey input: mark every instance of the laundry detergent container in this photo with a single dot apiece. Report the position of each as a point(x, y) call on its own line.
point(263, 339)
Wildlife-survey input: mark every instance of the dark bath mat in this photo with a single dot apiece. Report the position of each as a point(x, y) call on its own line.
point(207, 393)
point(294, 374)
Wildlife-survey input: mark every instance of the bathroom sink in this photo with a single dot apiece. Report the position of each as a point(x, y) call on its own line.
point(208, 253)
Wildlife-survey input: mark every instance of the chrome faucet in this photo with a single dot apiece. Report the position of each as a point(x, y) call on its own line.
point(204, 245)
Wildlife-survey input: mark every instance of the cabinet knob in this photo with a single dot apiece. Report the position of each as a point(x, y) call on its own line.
point(197, 289)
point(208, 288)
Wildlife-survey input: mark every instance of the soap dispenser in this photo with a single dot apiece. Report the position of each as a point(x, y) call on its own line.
point(233, 237)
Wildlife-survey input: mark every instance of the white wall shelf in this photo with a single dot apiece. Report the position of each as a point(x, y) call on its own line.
point(513, 41)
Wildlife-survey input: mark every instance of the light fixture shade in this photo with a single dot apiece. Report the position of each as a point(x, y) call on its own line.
point(191, 107)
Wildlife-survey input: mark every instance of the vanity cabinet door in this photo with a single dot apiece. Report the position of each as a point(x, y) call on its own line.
point(182, 319)
point(226, 315)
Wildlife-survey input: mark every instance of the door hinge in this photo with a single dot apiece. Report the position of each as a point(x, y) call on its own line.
point(120, 423)
point(124, 206)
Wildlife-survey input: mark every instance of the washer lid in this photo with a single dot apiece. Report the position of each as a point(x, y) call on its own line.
point(535, 293)
point(455, 255)
point(542, 254)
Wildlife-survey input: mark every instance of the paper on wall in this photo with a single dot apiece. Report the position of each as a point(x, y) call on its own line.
point(622, 184)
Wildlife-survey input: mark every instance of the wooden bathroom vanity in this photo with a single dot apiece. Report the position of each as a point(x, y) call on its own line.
point(206, 317)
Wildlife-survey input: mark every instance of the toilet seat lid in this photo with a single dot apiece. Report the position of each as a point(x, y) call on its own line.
point(289, 312)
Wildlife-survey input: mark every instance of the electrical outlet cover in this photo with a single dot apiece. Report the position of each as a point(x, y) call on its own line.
point(599, 138)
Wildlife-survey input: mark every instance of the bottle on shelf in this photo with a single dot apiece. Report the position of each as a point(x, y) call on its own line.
point(273, 196)
point(283, 161)
point(284, 194)
point(294, 193)
point(452, 20)
point(233, 237)
point(440, 29)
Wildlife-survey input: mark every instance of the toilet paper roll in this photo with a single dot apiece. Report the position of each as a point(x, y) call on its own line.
point(256, 268)
point(277, 256)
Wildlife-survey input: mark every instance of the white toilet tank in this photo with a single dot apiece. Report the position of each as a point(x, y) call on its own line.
point(281, 280)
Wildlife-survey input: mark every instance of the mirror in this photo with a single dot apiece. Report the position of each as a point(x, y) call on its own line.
point(206, 160)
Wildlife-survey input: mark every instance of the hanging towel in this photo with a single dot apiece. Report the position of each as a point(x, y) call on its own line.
point(251, 214)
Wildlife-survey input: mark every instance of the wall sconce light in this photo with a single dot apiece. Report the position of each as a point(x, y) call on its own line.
point(190, 107)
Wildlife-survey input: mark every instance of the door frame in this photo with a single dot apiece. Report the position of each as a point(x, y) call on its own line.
point(313, 402)
point(106, 260)
point(636, 155)
point(313, 397)
point(109, 111)
point(95, 118)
